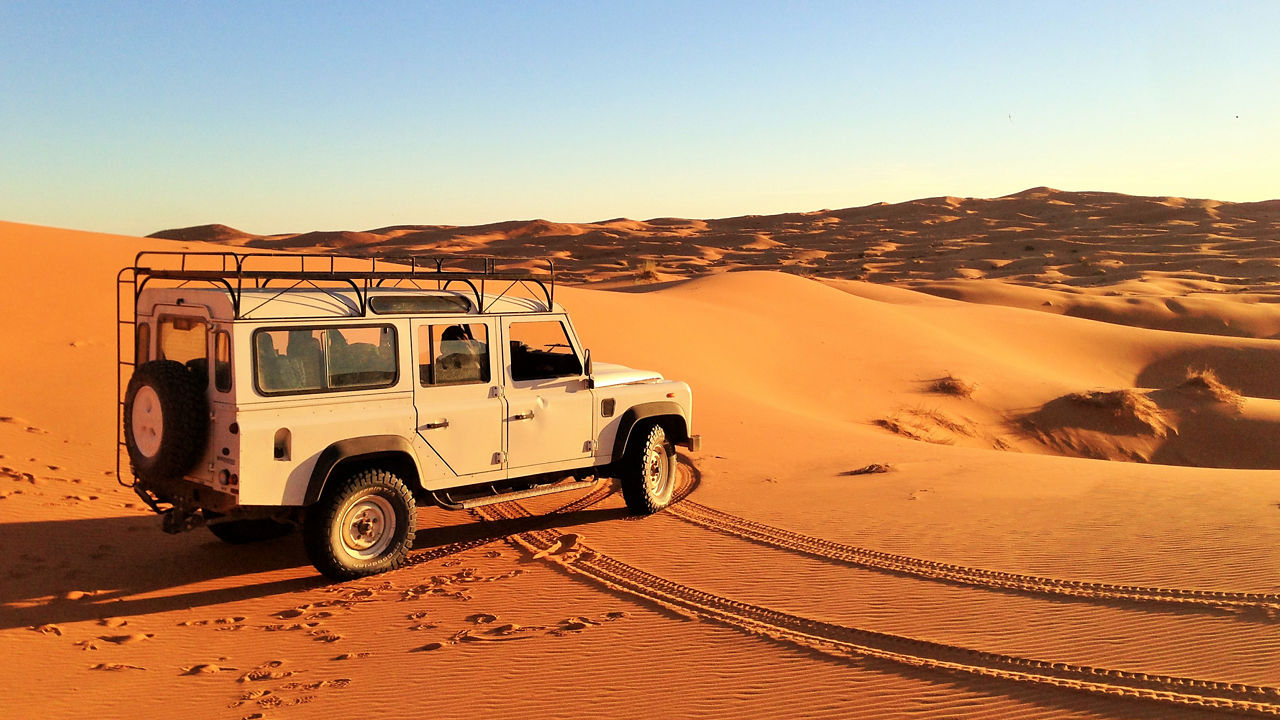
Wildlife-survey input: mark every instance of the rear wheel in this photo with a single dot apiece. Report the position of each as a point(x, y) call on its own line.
point(362, 526)
point(648, 472)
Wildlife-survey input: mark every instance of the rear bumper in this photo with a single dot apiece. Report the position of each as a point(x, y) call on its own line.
point(694, 443)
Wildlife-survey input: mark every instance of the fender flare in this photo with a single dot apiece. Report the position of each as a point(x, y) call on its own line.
point(645, 411)
point(369, 446)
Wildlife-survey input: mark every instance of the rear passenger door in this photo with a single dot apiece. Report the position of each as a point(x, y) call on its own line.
point(457, 395)
point(548, 403)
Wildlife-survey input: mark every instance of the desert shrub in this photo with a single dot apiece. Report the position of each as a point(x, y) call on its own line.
point(1127, 406)
point(1205, 380)
point(952, 385)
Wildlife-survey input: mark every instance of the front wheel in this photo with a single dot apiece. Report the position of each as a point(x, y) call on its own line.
point(648, 472)
point(362, 526)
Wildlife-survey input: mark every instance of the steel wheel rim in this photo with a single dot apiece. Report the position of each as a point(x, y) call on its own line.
point(657, 471)
point(147, 421)
point(367, 527)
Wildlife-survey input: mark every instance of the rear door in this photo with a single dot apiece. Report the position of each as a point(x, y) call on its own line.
point(457, 393)
point(548, 403)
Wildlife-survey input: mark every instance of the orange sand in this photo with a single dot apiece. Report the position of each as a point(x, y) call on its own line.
point(1036, 420)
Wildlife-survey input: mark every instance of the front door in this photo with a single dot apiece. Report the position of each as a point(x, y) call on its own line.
point(548, 403)
point(457, 394)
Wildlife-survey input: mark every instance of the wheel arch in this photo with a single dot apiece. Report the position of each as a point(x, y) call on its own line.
point(665, 413)
point(389, 452)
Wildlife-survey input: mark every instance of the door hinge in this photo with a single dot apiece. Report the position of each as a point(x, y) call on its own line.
point(499, 458)
point(590, 446)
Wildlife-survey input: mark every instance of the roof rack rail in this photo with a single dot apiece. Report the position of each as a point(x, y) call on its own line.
point(236, 272)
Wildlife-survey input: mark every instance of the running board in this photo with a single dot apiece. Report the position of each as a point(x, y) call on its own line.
point(470, 503)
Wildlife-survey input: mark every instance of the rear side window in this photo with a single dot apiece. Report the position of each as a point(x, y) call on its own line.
point(540, 349)
point(143, 352)
point(222, 361)
point(304, 360)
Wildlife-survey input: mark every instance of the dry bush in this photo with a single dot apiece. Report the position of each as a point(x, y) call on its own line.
point(942, 420)
point(871, 469)
point(919, 424)
point(951, 385)
point(893, 425)
point(647, 270)
point(1205, 380)
point(1127, 406)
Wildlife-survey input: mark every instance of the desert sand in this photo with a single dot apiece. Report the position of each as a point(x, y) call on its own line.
point(963, 458)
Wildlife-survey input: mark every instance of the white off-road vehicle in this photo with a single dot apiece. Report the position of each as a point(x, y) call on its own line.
point(268, 392)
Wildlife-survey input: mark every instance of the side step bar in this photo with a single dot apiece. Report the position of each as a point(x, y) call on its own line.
point(470, 503)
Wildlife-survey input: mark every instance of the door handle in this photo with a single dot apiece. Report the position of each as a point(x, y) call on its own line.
point(436, 425)
point(523, 416)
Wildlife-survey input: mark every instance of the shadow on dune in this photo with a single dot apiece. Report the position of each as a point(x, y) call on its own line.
point(1251, 371)
point(129, 567)
point(469, 530)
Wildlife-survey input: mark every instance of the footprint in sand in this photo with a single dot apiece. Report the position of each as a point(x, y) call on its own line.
point(114, 667)
point(353, 656)
point(564, 544)
point(126, 639)
point(269, 670)
point(206, 669)
point(113, 622)
point(482, 618)
point(47, 629)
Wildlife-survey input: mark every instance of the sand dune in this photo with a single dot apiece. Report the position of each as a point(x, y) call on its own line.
point(1048, 491)
point(1041, 237)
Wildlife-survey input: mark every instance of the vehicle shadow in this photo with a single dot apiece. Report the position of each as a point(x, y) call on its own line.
point(471, 531)
point(126, 566)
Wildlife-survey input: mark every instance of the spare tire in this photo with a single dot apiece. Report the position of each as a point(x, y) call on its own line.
point(166, 420)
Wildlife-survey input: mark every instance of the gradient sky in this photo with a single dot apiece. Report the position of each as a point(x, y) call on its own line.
point(286, 117)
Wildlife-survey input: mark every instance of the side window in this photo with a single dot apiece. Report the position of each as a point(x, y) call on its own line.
point(142, 353)
point(361, 356)
point(540, 349)
point(302, 360)
point(183, 339)
point(453, 354)
point(222, 361)
point(289, 360)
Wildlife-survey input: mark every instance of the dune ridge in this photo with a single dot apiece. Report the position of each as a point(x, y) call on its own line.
point(1040, 237)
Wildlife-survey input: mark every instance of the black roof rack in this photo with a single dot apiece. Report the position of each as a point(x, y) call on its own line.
point(236, 272)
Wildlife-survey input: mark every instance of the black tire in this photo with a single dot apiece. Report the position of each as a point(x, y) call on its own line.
point(361, 526)
point(166, 420)
point(648, 471)
point(251, 530)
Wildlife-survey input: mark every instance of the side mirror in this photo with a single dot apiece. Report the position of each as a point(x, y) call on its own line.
point(586, 364)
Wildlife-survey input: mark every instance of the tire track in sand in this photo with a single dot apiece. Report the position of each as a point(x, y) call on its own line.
point(844, 641)
point(1265, 605)
point(602, 490)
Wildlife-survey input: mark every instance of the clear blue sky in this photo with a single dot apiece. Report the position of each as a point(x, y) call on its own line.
point(281, 116)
